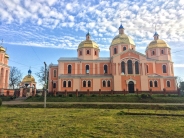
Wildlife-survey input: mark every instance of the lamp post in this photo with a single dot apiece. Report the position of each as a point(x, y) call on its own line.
point(45, 86)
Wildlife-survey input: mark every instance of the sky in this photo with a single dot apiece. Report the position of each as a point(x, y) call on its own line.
point(38, 31)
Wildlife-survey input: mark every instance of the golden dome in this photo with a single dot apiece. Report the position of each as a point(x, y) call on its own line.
point(157, 44)
point(122, 39)
point(2, 49)
point(88, 44)
point(6, 56)
point(28, 78)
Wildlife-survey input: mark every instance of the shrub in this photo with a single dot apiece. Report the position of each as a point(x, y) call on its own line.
point(70, 95)
point(81, 95)
point(60, 95)
point(93, 95)
point(0, 101)
point(121, 113)
point(146, 96)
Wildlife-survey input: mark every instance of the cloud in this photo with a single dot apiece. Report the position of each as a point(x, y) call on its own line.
point(102, 19)
point(179, 65)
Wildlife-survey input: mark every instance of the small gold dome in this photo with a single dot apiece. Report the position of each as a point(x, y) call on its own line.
point(6, 56)
point(28, 78)
point(122, 39)
point(2, 49)
point(88, 44)
point(157, 44)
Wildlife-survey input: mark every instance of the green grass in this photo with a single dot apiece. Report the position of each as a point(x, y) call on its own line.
point(95, 123)
point(113, 98)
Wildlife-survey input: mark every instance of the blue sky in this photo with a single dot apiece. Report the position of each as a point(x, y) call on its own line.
point(35, 31)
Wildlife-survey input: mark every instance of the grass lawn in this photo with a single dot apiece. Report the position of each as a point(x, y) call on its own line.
point(113, 98)
point(96, 123)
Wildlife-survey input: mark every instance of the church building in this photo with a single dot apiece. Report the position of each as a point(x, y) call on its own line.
point(125, 69)
point(4, 70)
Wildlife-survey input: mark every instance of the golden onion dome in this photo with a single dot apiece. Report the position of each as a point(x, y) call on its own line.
point(2, 49)
point(88, 44)
point(6, 56)
point(157, 44)
point(122, 39)
point(28, 78)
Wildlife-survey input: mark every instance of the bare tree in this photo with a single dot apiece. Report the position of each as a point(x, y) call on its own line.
point(15, 77)
point(41, 76)
point(179, 80)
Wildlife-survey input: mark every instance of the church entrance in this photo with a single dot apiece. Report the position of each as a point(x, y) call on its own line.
point(131, 87)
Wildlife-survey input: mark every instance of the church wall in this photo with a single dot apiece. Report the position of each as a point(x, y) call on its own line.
point(76, 84)
point(66, 68)
point(84, 68)
point(124, 85)
point(86, 88)
point(172, 84)
point(144, 83)
point(96, 84)
point(158, 88)
point(159, 69)
point(89, 56)
point(101, 68)
point(67, 88)
point(106, 88)
point(129, 55)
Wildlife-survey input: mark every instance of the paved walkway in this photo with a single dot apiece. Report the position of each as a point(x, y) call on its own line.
point(100, 103)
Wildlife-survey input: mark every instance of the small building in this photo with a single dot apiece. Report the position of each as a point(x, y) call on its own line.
point(28, 86)
point(125, 70)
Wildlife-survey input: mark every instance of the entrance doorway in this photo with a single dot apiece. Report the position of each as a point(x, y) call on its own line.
point(131, 87)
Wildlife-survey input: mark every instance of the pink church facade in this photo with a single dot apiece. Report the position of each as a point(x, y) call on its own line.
point(4, 71)
point(125, 69)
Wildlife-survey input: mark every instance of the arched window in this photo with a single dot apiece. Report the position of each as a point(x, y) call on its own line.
point(115, 50)
point(162, 51)
point(80, 52)
point(84, 83)
point(153, 52)
point(124, 48)
point(64, 83)
point(109, 83)
point(155, 83)
point(89, 83)
point(54, 73)
point(104, 84)
point(87, 69)
point(164, 69)
point(168, 84)
point(147, 69)
point(54, 85)
point(69, 84)
point(151, 84)
point(123, 67)
point(87, 51)
point(69, 69)
point(105, 69)
point(95, 52)
point(130, 71)
point(136, 67)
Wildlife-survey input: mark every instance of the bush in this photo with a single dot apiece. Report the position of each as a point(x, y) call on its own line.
point(0, 101)
point(93, 95)
point(81, 95)
point(146, 96)
point(70, 95)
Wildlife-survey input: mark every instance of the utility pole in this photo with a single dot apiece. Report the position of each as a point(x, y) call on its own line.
point(45, 86)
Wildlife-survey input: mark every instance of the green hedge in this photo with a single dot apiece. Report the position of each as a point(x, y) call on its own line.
point(0, 101)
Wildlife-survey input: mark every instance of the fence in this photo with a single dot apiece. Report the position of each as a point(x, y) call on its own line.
point(88, 93)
